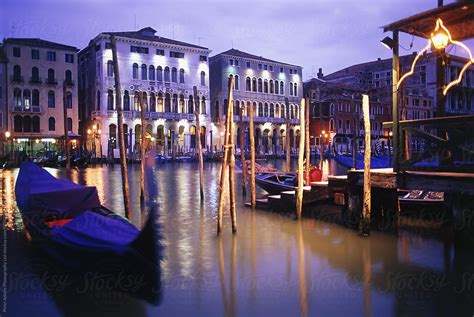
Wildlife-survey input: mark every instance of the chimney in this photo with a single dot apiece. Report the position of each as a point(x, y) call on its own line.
point(320, 73)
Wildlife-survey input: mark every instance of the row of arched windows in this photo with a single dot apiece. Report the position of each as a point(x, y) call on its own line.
point(265, 109)
point(26, 100)
point(156, 102)
point(32, 124)
point(294, 89)
point(35, 78)
point(264, 85)
point(158, 73)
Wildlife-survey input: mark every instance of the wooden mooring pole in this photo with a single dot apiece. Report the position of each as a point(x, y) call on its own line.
point(242, 149)
point(142, 148)
point(118, 104)
point(287, 135)
point(199, 144)
point(307, 142)
point(365, 221)
point(299, 197)
point(228, 150)
point(66, 132)
point(253, 194)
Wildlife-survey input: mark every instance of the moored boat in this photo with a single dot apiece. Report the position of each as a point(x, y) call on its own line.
point(67, 222)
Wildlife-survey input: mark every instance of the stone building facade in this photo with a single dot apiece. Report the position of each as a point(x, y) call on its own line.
point(273, 88)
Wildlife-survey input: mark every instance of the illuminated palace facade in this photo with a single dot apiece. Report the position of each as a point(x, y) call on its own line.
point(35, 72)
point(273, 88)
point(164, 71)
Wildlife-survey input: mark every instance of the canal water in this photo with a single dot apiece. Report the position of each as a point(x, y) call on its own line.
point(273, 266)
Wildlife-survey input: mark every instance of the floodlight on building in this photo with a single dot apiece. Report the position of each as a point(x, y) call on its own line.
point(387, 42)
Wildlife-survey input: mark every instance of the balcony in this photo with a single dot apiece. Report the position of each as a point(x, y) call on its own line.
point(51, 81)
point(16, 79)
point(148, 115)
point(69, 82)
point(31, 109)
point(35, 80)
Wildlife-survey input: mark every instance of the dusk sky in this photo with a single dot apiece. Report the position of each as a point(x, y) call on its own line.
point(331, 34)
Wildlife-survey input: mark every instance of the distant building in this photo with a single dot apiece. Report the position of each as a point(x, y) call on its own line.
point(336, 114)
point(36, 72)
point(273, 88)
point(165, 70)
point(418, 92)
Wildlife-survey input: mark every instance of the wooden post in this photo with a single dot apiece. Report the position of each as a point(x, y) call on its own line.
point(365, 222)
point(242, 151)
point(253, 199)
point(199, 145)
point(299, 197)
point(307, 142)
point(118, 101)
point(321, 138)
point(230, 148)
point(395, 114)
point(66, 134)
point(226, 155)
point(142, 148)
point(287, 135)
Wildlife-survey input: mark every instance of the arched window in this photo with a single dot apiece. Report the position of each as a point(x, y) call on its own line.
point(68, 76)
point(181, 76)
point(69, 124)
point(203, 78)
point(291, 89)
point(271, 87)
point(331, 124)
point(292, 112)
point(248, 85)
point(136, 101)
point(265, 110)
point(159, 73)
point(282, 88)
point(51, 124)
point(181, 104)
point(26, 99)
point(283, 111)
point(51, 99)
point(35, 123)
point(18, 123)
point(126, 101)
point(35, 98)
point(260, 109)
point(190, 104)
point(110, 69)
point(295, 86)
point(203, 105)
point(260, 88)
point(265, 86)
point(151, 72)
point(51, 77)
point(175, 103)
point(167, 103)
point(110, 100)
point(160, 102)
point(113, 135)
point(236, 82)
point(254, 84)
point(152, 102)
point(167, 74)
point(17, 73)
point(35, 74)
point(125, 134)
point(174, 75)
point(145, 101)
point(135, 71)
point(272, 111)
point(69, 100)
point(17, 97)
point(276, 87)
point(236, 107)
point(98, 100)
point(26, 124)
point(144, 72)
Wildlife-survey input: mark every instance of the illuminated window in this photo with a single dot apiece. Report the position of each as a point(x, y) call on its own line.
point(174, 75)
point(135, 71)
point(144, 72)
point(203, 78)
point(110, 69)
point(181, 76)
point(151, 72)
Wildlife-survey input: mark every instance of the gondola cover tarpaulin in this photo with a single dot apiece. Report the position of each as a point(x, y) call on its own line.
point(37, 189)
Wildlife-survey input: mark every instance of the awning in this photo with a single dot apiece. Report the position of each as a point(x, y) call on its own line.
point(458, 17)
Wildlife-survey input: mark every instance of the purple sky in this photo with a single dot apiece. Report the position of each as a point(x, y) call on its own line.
point(331, 34)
